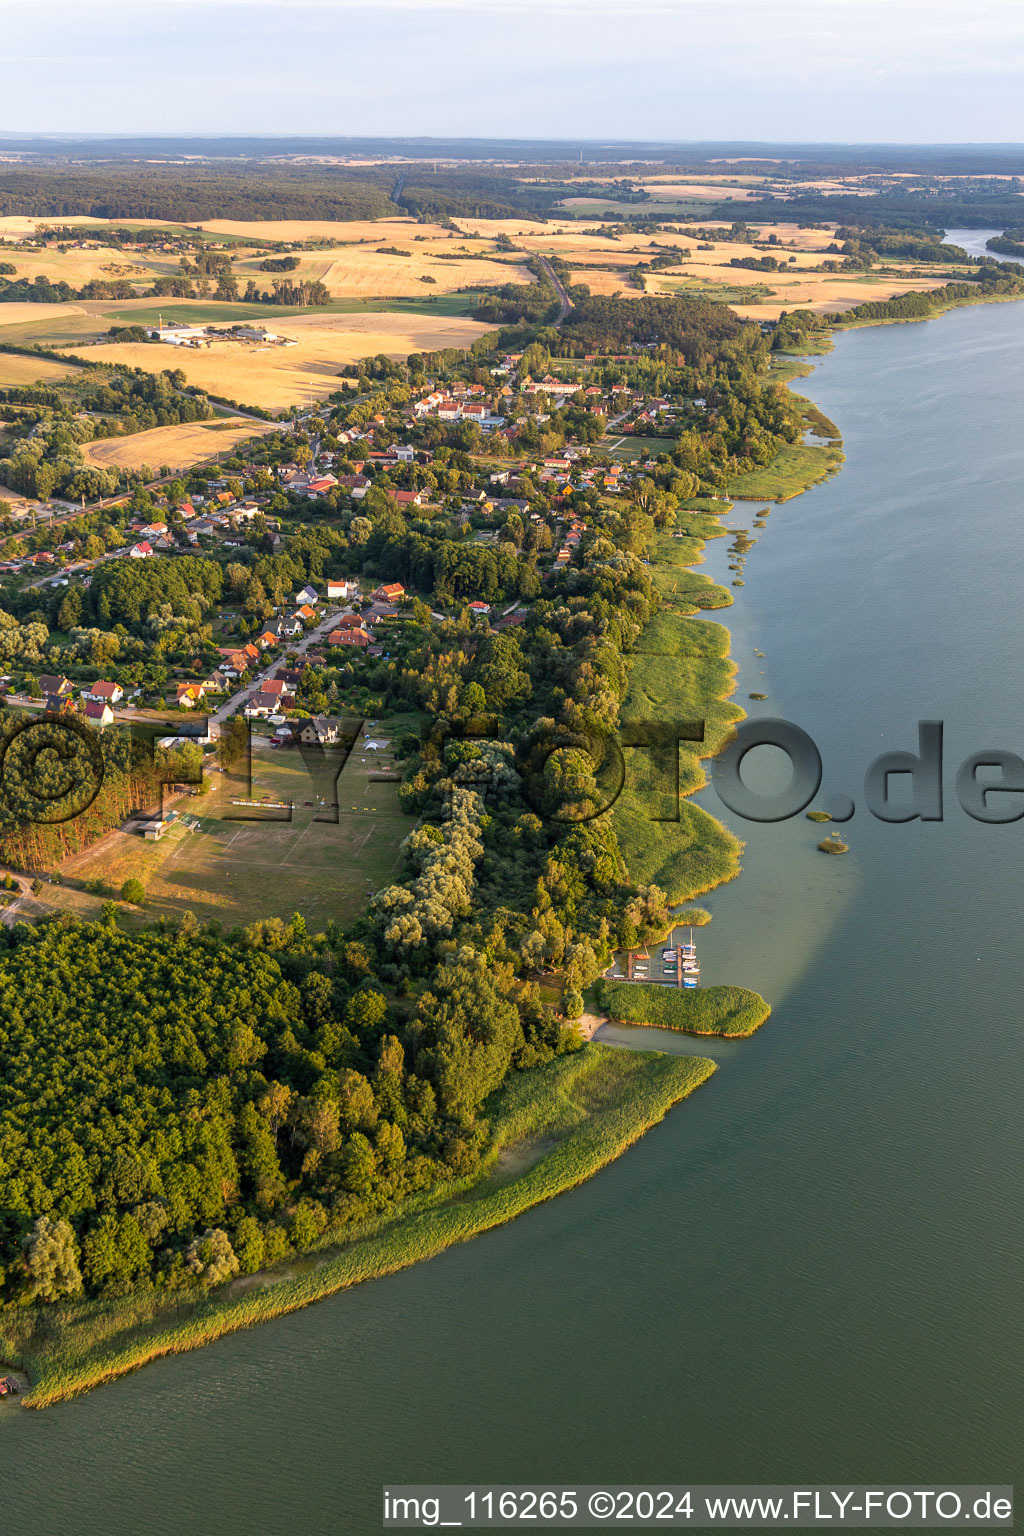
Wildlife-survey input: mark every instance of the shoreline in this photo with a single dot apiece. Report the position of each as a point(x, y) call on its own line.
point(645, 1084)
point(634, 1092)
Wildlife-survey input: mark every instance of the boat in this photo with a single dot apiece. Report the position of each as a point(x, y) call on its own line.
point(688, 963)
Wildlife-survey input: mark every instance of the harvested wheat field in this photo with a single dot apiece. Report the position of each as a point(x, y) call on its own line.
point(23, 314)
point(179, 447)
point(80, 267)
point(363, 272)
point(276, 377)
point(606, 284)
point(287, 231)
point(824, 292)
point(33, 370)
point(833, 296)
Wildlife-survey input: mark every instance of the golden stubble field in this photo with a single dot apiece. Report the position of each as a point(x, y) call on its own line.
point(602, 264)
point(32, 370)
point(364, 272)
point(179, 446)
point(78, 267)
point(276, 377)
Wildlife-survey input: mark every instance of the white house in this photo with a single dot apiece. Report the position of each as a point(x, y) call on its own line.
point(103, 692)
point(141, 551)
point(306, 595)
point(342, 590)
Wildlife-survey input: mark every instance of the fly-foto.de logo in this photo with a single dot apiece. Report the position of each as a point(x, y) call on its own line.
point(52, 769)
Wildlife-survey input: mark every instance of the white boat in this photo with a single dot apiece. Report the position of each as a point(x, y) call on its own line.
point(688, 963)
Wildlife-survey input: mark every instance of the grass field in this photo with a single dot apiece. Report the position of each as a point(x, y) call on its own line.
point(239, 870)
point(729, 1011)
point(552, 1128)
point(632, 448)
point(681, 672)
point(793, 470)
point(32, 370)
point(179, 447)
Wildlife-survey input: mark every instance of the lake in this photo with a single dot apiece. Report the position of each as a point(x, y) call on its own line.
point(811, 1270)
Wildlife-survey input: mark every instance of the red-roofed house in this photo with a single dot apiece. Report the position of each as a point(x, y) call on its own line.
point(99, 714)
point(104, 693)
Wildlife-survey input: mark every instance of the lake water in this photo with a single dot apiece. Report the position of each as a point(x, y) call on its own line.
point(810, 1271)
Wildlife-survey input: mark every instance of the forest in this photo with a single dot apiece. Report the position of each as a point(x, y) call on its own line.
point(223, 191)
point(1009, 243)
point(177, 1108)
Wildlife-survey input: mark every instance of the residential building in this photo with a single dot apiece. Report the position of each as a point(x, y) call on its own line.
point(320, 729)
point(58, 686)
point(103, 692)
point(99, 714)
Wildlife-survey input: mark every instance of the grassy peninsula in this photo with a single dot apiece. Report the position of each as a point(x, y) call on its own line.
point(680, 671)
point(552, 1128)
point(733, 1012)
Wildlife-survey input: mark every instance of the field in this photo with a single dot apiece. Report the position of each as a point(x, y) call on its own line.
point(633, 448)
point(602, 262)
point(27, 323)
point(552, 1128)
point(179, 447)
point(365, 272)
point(240, 870)
point(78, 267)
point(276, 377)
point(364, 278)
point(397, 231)
point(32, 370)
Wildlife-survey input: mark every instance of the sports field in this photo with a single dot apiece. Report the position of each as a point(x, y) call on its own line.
point(238, 869)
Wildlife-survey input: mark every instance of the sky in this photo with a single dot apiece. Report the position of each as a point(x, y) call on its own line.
point(904, 71)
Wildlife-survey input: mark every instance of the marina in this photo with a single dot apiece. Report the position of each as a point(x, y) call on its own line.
point(673, 963)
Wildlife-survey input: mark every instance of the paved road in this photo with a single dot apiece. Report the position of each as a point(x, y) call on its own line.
point(323, 628)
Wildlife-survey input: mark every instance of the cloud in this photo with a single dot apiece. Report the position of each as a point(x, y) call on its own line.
point(671, 70)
